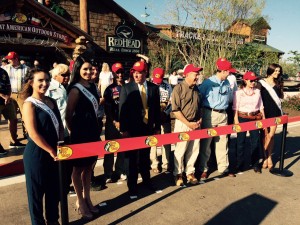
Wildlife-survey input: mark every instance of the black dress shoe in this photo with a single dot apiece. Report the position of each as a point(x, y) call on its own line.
point(133, 192)
point(257, 169)
point(150, 187)
point(227, 174)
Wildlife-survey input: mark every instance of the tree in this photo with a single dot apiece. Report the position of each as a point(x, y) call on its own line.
point(289, 68)
point(295, 58)
point(164, 54)
point(201, 31)
point(251, 57)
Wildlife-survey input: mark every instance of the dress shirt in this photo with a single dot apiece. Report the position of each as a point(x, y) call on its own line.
point(146, 88)
point(216, 93)
point(57, 91)
point(16, 76)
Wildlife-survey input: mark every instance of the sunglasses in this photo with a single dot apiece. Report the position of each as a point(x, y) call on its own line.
point(252, 81)
point(65, 75)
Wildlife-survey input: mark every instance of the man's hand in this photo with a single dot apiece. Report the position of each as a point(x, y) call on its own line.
point(194, 125)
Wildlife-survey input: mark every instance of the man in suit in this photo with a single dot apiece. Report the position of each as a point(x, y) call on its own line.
point(139, 110)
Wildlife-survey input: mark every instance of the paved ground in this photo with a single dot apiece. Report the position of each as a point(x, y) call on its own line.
point(247, 199)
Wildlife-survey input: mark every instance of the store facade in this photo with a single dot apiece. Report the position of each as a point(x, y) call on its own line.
point(59, 31)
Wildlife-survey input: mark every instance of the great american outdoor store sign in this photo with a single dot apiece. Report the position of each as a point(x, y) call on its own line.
point(24, 28)
point(123, 41)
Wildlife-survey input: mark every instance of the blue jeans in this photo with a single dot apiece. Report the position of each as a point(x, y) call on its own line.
point(255, 146)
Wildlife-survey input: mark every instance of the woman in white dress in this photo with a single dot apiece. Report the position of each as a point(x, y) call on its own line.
point(105, 78)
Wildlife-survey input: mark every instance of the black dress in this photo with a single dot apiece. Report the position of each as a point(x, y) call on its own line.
point(85, 125)
point(270, 107)
point(41, 171)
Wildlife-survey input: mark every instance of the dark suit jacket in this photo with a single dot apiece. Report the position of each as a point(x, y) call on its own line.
point(131, 110)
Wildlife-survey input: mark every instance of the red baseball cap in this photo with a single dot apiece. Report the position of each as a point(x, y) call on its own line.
point(249, 75)
point(224, 64)
point(12, 55)
point(139, 66)
point(117, 66)
point(191, 68)
point(158, 75)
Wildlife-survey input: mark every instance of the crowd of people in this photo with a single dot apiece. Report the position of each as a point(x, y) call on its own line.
point(68, 104)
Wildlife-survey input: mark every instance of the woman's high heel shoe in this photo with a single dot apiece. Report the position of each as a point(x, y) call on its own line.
point(270, 163)
point(265, 164)
point(84, 215)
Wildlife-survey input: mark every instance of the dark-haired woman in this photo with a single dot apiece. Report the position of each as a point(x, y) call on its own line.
point(43, 123)
point(81, 119)
point(271, 92)
point(248, 106)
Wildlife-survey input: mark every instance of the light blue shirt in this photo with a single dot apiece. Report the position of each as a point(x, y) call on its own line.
point(216, 93)
point(57, 91)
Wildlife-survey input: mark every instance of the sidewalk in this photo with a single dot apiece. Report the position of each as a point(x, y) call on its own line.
point(247, 199)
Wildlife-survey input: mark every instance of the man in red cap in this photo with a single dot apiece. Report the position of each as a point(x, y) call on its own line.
point(112, 125)
point(165, 91)
point(186, 102)
point(139, 111)
point(216, 94)
point(17, 74)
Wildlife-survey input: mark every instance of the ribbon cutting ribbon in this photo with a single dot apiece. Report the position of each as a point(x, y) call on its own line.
point(101, 148)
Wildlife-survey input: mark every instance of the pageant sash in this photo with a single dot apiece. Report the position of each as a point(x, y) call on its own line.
point(272, 94)
point(89, 96)
point(46, 108)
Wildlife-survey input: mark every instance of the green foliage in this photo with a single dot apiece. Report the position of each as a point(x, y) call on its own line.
point(292, 102)
point(251, 57)
point(295, 58)
point(289, 68)
point(247, 57)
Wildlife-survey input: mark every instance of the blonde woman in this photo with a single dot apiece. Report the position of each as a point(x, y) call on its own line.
point(105, 78)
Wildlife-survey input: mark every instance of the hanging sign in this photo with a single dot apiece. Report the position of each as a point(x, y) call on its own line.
point(123, 41)
point(25, 28)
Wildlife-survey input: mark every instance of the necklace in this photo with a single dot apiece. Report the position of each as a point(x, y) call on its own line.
point(251, 92)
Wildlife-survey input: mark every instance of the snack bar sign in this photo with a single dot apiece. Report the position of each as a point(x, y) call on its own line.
point(7, 27)
point(123, 41)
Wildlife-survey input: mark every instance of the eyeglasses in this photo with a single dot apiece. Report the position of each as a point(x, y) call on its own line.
point(252, 81)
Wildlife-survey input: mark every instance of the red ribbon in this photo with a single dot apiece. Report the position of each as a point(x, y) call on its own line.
point(128, 144)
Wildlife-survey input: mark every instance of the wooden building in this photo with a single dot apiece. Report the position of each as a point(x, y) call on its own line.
point(51, 31)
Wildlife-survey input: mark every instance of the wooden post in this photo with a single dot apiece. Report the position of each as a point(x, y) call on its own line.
point(83, 15)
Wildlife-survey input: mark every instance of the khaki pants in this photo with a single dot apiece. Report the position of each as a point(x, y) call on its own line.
point(185, 150)
point(214, 119)
point(18, 101)
point(165, 150)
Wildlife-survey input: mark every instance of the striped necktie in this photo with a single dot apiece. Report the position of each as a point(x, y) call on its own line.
point(144, 101)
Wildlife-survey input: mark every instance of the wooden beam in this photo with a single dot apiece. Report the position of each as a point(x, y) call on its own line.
point(83, 15)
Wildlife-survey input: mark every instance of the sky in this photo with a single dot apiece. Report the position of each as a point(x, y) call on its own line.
point(283, 17)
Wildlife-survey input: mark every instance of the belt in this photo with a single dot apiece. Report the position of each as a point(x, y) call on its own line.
point(216, 110)
point(249, 114)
